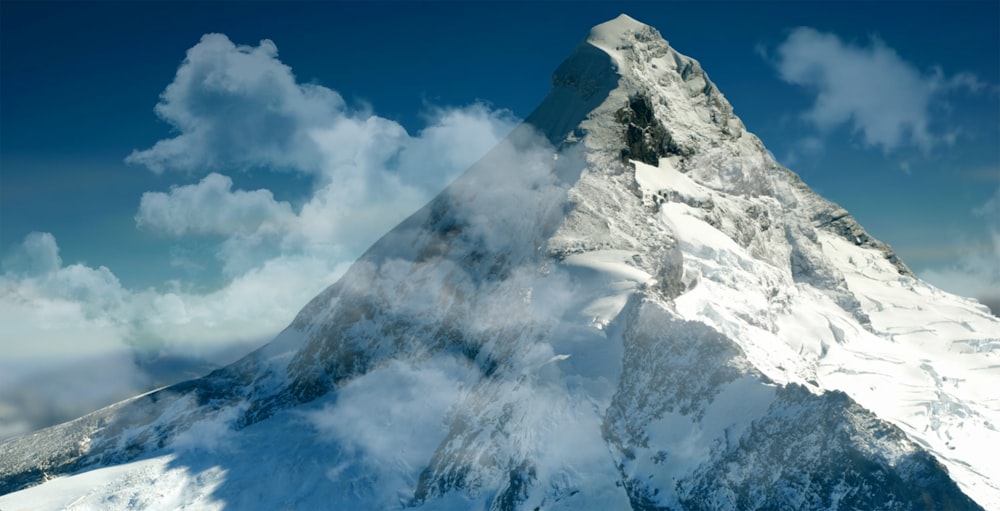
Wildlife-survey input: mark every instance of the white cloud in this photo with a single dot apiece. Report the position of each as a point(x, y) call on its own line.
point(372, 174)
point(976, 273)
point(38, 254)
point(806, 147)
point(476, 129)
point(61, 336)
point(387, 423)
point(234, 107)
point(210, 434)
point(368, 172)
point(524, 169)
point(71, 335)
point(238, 106)
point(990, 209)
point(211, 207)
point(378, 414)
point(34, 271)
point(880, 96)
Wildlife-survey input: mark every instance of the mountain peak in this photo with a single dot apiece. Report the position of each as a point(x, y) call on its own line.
point(626, 63)
point(644, 311)
point(611, 33)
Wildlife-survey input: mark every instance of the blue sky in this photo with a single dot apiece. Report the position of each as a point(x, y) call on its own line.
point(179, 231)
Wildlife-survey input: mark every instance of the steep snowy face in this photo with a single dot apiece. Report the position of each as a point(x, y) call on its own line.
point(733, 241)
point(626, 305)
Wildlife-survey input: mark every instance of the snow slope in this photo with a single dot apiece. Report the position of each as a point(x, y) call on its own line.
point(628, 304)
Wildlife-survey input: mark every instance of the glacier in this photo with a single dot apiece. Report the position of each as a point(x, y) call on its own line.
point(627, 304)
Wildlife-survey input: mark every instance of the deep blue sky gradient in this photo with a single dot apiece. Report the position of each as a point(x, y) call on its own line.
point(78, 82)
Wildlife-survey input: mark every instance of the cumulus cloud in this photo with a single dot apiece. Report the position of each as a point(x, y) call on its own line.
point(233, 107)
point(60, 337)
point(74, 339)
point(211, 207)
point(37, 255)
point(51, 307)
point(884, 99)
point(367, 172)
point(238, 106)
point(373, 173)
point(34, 270)
point(477, 127)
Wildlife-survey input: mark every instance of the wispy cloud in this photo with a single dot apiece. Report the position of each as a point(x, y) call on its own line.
point(376, 417)
point(984, 174)
point(433, 399)
point(881, 97)
point(976, 273)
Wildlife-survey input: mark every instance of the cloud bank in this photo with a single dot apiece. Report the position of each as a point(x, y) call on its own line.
point(880, 97)
point(232, 108)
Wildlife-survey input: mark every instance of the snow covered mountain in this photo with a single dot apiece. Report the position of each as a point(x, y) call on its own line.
point(628, 304)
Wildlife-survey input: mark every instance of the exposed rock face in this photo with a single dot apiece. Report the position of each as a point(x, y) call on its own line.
point(626, 305)
point(646, 140)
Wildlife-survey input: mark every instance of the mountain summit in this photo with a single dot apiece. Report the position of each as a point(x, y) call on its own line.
point(627, 304)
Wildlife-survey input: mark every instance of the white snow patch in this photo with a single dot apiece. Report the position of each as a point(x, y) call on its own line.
point(147, 484)
point(666, 177)
point(601, 271)
point(680, 443)
point(610, 35)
